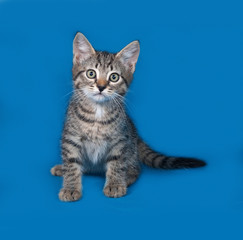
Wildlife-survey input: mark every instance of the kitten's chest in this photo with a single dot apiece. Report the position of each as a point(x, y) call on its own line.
point(95, 157)
point(101, 127)
point(96, 151)
point(96, 133)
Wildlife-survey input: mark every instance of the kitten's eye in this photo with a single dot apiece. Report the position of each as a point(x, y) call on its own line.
point(91, 73)
point(114, 77)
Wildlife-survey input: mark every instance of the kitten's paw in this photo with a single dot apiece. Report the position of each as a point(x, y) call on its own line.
point(68, 195)
point(115, 191)
point(57, 170)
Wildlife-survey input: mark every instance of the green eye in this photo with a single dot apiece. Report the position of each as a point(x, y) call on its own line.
point(114, 77)
point(91, 73)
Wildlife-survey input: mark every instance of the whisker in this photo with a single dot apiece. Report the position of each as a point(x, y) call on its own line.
point(124, 100)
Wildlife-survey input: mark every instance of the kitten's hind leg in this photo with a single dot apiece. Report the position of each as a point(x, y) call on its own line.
point(131, 179)
point(132, 175)
point(57, 170)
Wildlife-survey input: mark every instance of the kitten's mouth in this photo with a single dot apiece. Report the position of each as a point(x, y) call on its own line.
point(99, 94)
point(100, 97)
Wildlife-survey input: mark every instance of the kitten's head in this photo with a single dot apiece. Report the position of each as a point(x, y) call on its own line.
point(102, 76)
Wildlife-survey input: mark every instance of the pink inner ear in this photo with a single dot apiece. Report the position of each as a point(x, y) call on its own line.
point(130, 62)
point(82, 49)
point(131, 66)
point(82, 55)
point(129, 55)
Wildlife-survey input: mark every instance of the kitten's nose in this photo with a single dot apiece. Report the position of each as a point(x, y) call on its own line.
point(101, 84)
point(101, 88)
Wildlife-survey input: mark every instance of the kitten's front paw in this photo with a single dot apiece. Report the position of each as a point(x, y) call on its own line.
point(68, 195)
point(115, 191)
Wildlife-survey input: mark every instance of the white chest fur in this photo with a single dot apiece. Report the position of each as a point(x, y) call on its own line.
point(95, 151)
point(99, 112)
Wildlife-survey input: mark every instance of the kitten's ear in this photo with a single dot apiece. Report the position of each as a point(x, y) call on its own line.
point(82, 49)
point(129, 55)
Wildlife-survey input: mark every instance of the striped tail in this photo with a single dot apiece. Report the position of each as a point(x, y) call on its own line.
point(158, 160)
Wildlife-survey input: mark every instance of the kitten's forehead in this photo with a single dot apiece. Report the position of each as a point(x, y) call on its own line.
point(104, 59)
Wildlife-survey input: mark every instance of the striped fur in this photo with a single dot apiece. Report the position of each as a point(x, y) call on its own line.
point(98, 135)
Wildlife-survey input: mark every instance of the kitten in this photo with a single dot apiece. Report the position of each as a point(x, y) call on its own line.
point(98, 135)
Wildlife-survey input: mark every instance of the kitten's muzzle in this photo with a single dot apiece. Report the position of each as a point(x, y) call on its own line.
point(101, 84)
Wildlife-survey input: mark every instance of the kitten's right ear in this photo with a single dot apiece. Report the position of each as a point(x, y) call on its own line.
point(82, 49)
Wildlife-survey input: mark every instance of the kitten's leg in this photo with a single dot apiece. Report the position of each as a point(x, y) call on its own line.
point(133, 169)
point(132, 176)
point(72, 169)
point(72, 185)
point(57, 170)
point(115, 185)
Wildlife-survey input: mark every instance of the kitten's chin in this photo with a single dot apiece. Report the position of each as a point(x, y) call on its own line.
point(99, 98)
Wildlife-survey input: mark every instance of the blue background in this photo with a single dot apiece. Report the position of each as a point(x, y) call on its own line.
point(186, 99)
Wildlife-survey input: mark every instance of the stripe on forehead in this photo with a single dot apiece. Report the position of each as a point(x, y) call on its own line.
point(105, 59)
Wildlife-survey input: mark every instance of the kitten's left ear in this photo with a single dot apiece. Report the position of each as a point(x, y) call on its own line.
point(129, 55)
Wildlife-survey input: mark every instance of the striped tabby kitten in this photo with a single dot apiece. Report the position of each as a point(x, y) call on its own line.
point(98, 135)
